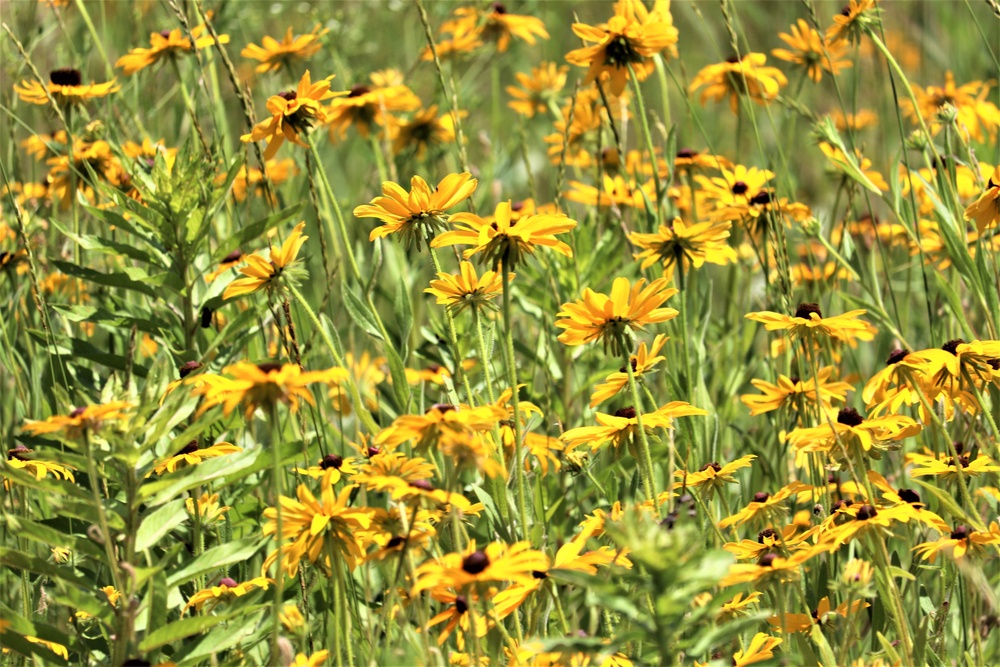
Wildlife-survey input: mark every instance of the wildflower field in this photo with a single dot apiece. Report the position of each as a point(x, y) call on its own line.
point(540, 333)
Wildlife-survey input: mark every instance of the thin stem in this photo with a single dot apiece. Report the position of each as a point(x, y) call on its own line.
point(277, 482)
point(515, 403)
point(641, 442)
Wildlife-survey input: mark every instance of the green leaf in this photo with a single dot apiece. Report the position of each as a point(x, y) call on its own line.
point(400, 386)
point(255, 230)
point(943, 497)
point(173, 484)
point(230, 553)
point(178, 630)
point(131, 279)
point(160, 522)
point(402, 310)
point(21, 561)
point(359, 312)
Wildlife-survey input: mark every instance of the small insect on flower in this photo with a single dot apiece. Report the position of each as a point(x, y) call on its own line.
point(419, 214)
point(273, 55)
point(628, 40)
point(164, 45)
point(66, 87)
point(293, 113)
point(614, 318)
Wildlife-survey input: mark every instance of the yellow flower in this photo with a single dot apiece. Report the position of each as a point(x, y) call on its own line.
point(617, 191)
point(496, 563)
point(251, 181)
point(497, 25)
point(507, 238)
point(440, 421)
point(630, 38)
point(947, 466)
point(810, 52)
point(66, 87)
point(851, 22)
point(291, 618)
point(309, 524)
point(809, 324)
point(734, 78)
point(331, 468)
point(61, 554)
point(819, 616)
point(642, 362)
point(764, 506)
point(537, 90)
point(737, 606)
point(425, 130)
point(191, 455)
point(364, 105)
point(863, 164)
point(856, 121)
point(772, 568)
point(792, 392)
point(861, 520)
point(263, 385)
point(419, 213)
point(620, 427)
point(264, 273)
point(976, 115)
point(292, 113)
point(227, 589)
point(273, 54)
point(689, 246)
point(712, 475)
point(317, 659)
point(613, 318)
point(208, 507)
point(761, 648)
point(146, 152)
point(166, 44)
point(986, 209)
point(80, 421)
point(433, 374)
point(368, 373)
point(961, 542)
point(464, 289)
point(87, 156)
point(852, 436)
point(19, 459)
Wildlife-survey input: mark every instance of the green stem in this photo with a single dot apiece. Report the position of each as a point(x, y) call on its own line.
point(335, 205)
point(645, 458)
point(644, 122)
point(512, 379)
point(277, 482)
point(453, 335)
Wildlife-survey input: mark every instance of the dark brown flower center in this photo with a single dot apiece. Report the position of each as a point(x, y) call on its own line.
point(762, 198)
point(952, 345)
point(740, 188)
point(897, 356)
point(461, 605)
point(841, 504)
point(620, 52)
point(373, 451)
point(188, 367)
point(475, 562)
point(395, 541)
point(269, 366)
point(189, 448)
point(850, 417)
point(165, 33)
point(713, 465)
point(498, 8)
point(761, 497)
point(434, 368)
point(78, 411)
point(767, 560)
point(538, 574)
point(422, 484)
point(795, 379)
point(766, 533)
point(66, 77)
point(909, 496)
point(960, 533)
point(687, 153)
point(18, 453)
point(732, 60)
point(805, 310)
point(228, 583)
point(866, 512)
point(234, 256)
point(628, 412)
point(516, 206)
point(359, 90)
point(288, 95)
point(442, 407)
point(331, 461)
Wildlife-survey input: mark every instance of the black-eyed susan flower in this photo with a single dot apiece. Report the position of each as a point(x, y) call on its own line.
point(191, 454)
point(765, 506)
point(366, 105)
point(20, 458)
point(616, 191)
point(713, 475)
point(82, 420)
point(959, 366)
point(425, 130)
point(689, 246)
point(809, 51)
point(317, 659)
point(433, 374)
point(87, 156)
point(332, 467)
point(986, 209)
point(630, 38)
point(788, 539)
point(613, 318)
point(761, 648)
point(808, 324)
point(507, 238)
point(795, 393)
point(738, 606)
point(851, 22)
point(859, 164)
point(145, 153)
point(949, 466)
point(263, 386)
point(438, 422)
point(823, 613)
point(496, 563)
point(735, 78)
point(863, 118)
point(862, 520)
point(251, 181)
point(266, 273)
point(273, 55)
point(309, 525)
point(209, 508)
point(620, 427)
point(496, 24)
point(420, 213)
point(643, 362)
point(975, 115)
point(772, 568)
point(66, 87)
point(292, 113)
point(960, 543)
point(465, 289)
point(537, 92)
point(166, 44)
point(226, 589)
point(456, 613)
point(909, 500)
point(853, 436)
point(368, 373)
